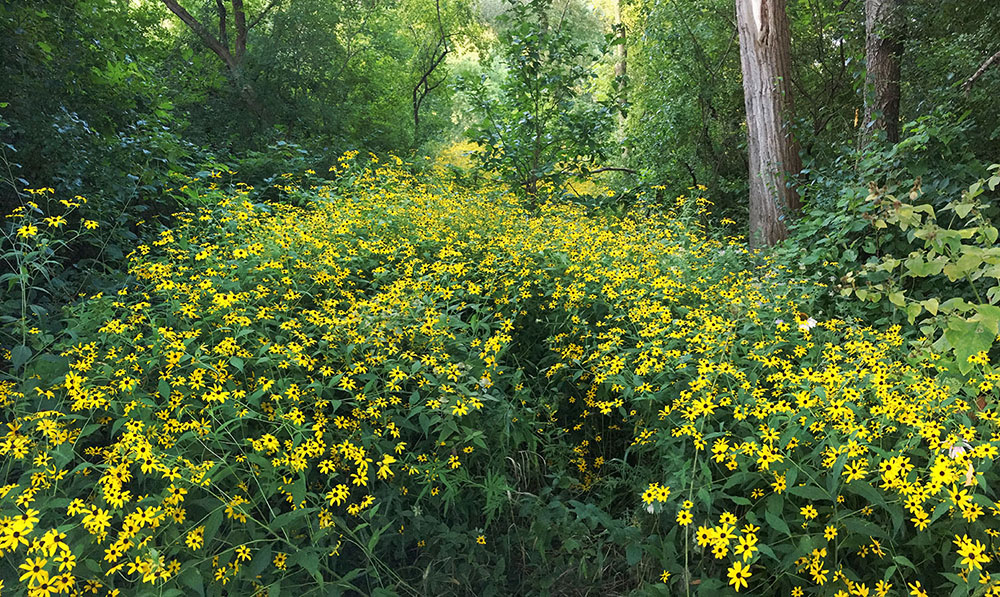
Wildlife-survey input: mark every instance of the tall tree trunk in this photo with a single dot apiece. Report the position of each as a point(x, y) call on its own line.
point(621, 73)
point(884, 30)
point(621, 55)
point(765, 57)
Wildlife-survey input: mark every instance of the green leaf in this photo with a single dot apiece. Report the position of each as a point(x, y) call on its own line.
point(373, 541)
point(773, 515)
point(988, 315)
point(904, 561)
point(633, 554)
point(212, 525)
point(939, 511)
point(19, 355)
point(285, 520)
point(970, 260)
point(967, 338)
point(810, 493)
point(299, 490)
point(164, 388)
point(864, 527)
point(191, 578)
point(261, 560)
point(916, 267)
point(309, 560)
point(275, 589)
point(867, 492)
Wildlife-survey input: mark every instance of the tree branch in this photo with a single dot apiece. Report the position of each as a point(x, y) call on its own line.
point(220, 7)
point(967, 86)
point(202, 32)
point(262, 14)
point(240, 16)
point(435, 61)
point(612, 169)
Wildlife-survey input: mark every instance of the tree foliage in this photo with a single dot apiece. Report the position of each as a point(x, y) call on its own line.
point(539, 123)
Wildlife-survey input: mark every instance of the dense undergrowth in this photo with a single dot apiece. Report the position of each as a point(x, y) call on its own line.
point(400, 385)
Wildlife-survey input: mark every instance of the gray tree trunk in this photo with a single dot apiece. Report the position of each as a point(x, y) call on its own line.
point(621, 74)
point(765, 58)
point(884, 30)
point(621, 52)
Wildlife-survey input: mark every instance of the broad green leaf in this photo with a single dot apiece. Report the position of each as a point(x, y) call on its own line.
point(191, 578)
point(967, 338)
point(633, 554)
point(19, 355)
point(988, 315)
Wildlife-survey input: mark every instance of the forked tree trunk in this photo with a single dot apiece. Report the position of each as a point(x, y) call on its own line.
point(765, 57)
point(884, 30)
point(231, 58)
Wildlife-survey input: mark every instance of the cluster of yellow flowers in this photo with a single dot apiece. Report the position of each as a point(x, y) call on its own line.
point(281, 386)
point(724, 388)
